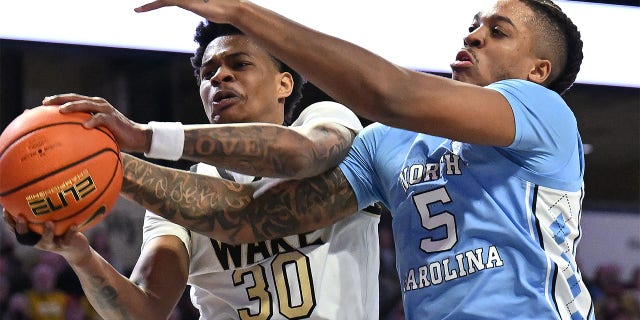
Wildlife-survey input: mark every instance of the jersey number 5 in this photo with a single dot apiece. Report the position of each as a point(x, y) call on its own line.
point(433, 220)
point(290, 271)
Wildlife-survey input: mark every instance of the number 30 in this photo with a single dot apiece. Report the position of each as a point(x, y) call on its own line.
point(260, 290)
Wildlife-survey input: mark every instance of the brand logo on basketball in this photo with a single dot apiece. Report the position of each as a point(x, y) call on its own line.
point(74, 189)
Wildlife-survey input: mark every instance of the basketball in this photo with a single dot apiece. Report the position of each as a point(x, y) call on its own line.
point(54, 169)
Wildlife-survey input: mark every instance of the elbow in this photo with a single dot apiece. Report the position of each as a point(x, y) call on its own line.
point(317, 160)
point(302, 168)
point(300, 165)
point(306, 167)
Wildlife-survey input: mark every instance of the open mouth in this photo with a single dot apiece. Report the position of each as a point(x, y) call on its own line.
point(464, 56)
point(464, 59)
point(222, 96)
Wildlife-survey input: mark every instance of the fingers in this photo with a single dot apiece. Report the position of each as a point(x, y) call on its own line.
point(150, 6)
point(20, 225)
point(47, 232)
point(59, 99)
point(23, 234)
point(91, 105)
point(8, 220)
point(45, 241)
point(71, 102)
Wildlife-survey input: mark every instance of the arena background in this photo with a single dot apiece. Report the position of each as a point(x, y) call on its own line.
point(158, 85)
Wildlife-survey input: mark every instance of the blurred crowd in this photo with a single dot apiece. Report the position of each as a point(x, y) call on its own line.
point(40, 285)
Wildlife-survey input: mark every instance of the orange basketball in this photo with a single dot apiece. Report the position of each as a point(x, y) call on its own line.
point(54, 169)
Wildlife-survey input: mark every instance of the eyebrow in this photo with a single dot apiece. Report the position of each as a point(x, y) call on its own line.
point(232, 55)
point(495, 17)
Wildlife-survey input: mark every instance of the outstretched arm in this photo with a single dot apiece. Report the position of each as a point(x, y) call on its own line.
point(238, 213)
point(156, 284)
point(257, 149)
point(269, 150)
point(365, 82)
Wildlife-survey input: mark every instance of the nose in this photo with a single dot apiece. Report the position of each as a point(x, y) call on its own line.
point(222, 75)
point(475, 38)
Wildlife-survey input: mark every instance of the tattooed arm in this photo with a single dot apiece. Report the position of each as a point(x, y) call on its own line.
point(238, 213)
point(257, 149)
point(269, 150)
point(156, 284)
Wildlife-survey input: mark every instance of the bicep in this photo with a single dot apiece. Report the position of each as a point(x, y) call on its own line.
point(452, 109)
point(161, 272)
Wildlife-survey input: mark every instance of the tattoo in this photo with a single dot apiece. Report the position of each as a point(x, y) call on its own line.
point(227, 211)
point(262, 151)
point(106, 297)
point(192, 200)
point(299, 206)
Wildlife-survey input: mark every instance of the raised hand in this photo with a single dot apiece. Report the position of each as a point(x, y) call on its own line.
point(157, 5)
point(213, 10)
point(131, 136)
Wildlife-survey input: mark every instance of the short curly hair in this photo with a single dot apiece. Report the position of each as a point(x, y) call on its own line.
point(560, 38)
point(208, 31)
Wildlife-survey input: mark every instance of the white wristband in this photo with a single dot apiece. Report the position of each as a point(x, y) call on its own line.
point(167, 140)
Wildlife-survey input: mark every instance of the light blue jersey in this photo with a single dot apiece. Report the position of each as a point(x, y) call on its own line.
point(483, 232)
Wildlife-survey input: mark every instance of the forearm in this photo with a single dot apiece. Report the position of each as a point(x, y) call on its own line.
point(111, 294)
point(200, 203)
point(235, 213)
point(267, 150)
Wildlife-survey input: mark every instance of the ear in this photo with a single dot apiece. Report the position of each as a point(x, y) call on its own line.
point(285, 86)
point(540, 71)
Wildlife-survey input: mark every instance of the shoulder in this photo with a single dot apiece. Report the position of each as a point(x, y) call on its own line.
point(328, 112)
point(379, 132)
point(156, 226)
point(527, 92)
point(534, 103)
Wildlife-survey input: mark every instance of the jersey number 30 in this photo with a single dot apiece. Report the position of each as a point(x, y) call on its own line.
point(288, 269)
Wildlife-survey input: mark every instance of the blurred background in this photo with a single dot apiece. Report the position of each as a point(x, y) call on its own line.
point(156, 83)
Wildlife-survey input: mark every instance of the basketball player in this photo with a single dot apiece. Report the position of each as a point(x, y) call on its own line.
point(483, 173)
point(329, 273)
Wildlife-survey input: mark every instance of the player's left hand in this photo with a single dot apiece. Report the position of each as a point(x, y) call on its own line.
point(131, 136)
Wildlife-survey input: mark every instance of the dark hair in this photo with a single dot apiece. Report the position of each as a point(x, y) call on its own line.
point(208, 31)
point(561, 39)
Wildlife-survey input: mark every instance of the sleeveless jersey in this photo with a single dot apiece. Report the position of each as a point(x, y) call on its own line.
point(483, 232)
point(331, 273)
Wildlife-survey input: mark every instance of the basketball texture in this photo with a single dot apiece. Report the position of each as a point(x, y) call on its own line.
point(54, 169)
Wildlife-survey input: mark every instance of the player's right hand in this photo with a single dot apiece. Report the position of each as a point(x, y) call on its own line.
point(23, 235)
point(73, 245)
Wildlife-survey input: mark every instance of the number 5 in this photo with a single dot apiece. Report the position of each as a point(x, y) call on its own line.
point(431, 221)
